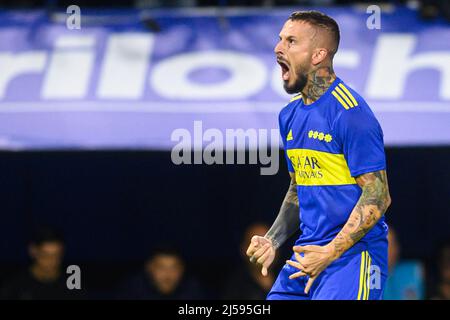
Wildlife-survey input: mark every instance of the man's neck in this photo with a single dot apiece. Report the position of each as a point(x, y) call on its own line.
point(44, 275)
point(319, 81)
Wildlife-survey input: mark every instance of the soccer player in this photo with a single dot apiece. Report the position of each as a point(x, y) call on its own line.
point(339, 190)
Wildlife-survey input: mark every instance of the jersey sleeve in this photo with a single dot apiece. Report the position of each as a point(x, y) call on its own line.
point(362, 142)
point(283, 134)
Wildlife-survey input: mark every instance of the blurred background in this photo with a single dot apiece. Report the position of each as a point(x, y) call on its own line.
point(88, 107)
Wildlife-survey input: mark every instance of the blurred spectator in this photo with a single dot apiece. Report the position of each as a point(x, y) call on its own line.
point(44, 279)
point(443, 287)
point(247, 282)
point(432, 9)
point(406, 278)
point(163, 278)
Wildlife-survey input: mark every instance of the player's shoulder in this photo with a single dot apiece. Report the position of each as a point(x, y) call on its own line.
point(346, 98)
point(349, 104)
point(288, 109)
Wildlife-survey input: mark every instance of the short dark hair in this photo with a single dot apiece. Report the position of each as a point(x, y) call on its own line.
point(321, 20)
point(166, 249)
point(44, 234)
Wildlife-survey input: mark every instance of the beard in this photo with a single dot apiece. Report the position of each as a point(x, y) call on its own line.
point(298, 85)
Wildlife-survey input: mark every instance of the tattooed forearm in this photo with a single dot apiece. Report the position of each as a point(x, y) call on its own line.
point(371, 206)
point(287, 221)
point(318, 82)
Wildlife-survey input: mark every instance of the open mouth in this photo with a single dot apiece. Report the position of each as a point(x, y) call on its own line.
point(284, 69)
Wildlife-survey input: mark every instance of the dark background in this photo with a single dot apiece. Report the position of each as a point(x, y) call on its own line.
point(113, 207)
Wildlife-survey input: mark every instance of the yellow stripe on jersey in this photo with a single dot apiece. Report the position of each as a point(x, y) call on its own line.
point(348, 94)
point(369, 262)
point(299, 96)
point(365, 276)
point(342, 94)
point(361, 275)
point(319, 168)
point(338, 97)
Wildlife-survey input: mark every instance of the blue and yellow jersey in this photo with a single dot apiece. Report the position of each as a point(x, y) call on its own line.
point(327, 144)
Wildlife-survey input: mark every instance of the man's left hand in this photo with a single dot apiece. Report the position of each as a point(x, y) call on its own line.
point(314, 261)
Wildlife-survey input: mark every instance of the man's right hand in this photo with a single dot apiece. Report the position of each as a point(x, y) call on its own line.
point(262, 252)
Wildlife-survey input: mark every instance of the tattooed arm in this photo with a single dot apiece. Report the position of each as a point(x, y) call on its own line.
point(262, 249)
point(288, 220)
point(371, 206)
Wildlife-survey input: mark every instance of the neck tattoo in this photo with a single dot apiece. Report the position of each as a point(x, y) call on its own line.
point(318, 82)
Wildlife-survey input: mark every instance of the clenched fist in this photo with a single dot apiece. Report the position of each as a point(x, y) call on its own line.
point(262, 252)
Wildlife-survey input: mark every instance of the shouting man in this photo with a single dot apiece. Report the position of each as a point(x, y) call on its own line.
point(338, 193)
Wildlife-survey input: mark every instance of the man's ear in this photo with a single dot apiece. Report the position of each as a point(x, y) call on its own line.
point(319, 55)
